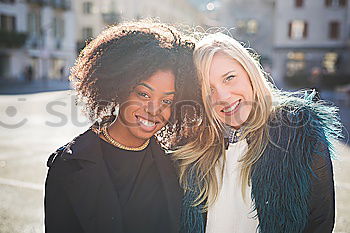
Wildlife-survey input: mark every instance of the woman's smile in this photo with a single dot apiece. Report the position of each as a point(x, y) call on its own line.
point(231, 90)
point(146, 124)
point(232, 108)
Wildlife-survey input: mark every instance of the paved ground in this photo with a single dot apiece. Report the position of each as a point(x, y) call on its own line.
point(34, 125)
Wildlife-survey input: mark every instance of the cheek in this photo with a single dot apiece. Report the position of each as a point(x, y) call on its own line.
point(248, 90)
point(217, 109)
point(166, 113)
point(127, 110)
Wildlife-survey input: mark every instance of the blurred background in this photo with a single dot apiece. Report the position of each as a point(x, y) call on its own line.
point(301, 43)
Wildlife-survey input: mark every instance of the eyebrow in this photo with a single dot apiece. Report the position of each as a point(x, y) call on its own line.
point(152, 89)
point(231, 71)
point(145, 85)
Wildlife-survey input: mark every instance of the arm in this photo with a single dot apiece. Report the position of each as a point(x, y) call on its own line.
point(59, 215)
point(322, 201)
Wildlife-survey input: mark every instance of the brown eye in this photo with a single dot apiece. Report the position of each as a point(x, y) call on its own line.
point(143, 94)
point(168, 102)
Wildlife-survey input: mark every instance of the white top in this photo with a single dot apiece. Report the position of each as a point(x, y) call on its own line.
point(230, 213)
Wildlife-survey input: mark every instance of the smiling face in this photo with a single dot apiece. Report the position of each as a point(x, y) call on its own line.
point(146, 110)
point(231, 90)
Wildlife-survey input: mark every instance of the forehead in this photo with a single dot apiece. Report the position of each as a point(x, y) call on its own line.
point(161, 81)
point(221, 64)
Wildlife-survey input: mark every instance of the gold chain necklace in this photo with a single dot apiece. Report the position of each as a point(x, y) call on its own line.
point(119, 145)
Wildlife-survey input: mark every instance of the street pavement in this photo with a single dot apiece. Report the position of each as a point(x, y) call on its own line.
point(33, 125)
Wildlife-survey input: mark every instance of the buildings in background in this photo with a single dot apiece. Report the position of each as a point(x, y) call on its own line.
point(37, 39)
point(40, 38)
point(294, 38)
point(94, 15)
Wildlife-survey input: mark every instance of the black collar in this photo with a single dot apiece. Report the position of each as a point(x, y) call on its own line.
point(92, 193)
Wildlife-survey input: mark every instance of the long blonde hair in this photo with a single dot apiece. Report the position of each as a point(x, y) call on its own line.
point(199, 158)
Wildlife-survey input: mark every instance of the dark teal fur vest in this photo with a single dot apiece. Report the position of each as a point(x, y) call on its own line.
point(280, 179)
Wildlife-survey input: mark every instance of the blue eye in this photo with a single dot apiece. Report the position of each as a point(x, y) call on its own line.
point(229, 78)
point(143, 94)
point(168, 102)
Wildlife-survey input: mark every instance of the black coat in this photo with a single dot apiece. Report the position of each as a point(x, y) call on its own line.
point(80, 196)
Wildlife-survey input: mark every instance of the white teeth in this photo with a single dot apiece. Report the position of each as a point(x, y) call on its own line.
point(147, 123)
point(231, 108)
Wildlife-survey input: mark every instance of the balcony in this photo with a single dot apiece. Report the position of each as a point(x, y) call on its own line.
point(38, 2)
point(61, 4)
point(58, 4)
point(12, 39)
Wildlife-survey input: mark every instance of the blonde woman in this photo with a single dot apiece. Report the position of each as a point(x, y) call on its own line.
point(261, 161)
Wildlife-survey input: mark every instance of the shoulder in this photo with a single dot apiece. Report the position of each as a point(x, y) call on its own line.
point(303, 120)
point(74, 148)
point(297, 110)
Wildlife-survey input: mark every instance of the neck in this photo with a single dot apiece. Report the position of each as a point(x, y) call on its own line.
point(121, 133)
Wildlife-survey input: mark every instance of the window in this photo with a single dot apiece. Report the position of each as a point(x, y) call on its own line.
point(58, 27)
point(342, 3)
point(34, 21)
point(299, 3)
point(87, 8)
point(295, 63)
point(298, 29)
point(7, 1)
point(8, 23)
point(249, 26)
point(252, 26)
point(57, 68)
point(334, 31)
point(330, 61)
point(87, 33)
point(240, 23)
point(335, 3)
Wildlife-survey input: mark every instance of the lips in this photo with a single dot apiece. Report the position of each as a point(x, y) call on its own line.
point(232, 108)
point(147, 124)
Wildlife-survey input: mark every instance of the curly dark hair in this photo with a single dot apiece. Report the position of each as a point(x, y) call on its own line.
point(121, 56)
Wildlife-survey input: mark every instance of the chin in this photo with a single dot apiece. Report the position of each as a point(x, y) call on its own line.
point(235, 124)
point(143, 135)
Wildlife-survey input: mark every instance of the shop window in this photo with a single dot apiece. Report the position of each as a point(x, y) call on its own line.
point(252, 26)
point(295, 63)
point(330, 61)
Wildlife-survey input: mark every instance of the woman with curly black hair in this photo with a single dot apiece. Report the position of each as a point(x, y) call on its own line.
point(115, 177)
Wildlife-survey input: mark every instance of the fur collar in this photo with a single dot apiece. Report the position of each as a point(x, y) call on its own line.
point(280, 179)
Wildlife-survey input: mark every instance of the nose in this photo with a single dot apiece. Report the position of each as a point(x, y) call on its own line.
point(153, 108)
point(222, 94)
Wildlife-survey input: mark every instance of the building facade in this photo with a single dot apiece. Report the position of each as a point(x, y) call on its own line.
point(252, 23)
point(43, 31)
point(294, 38)
point(311, 37)
point(95, 15)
